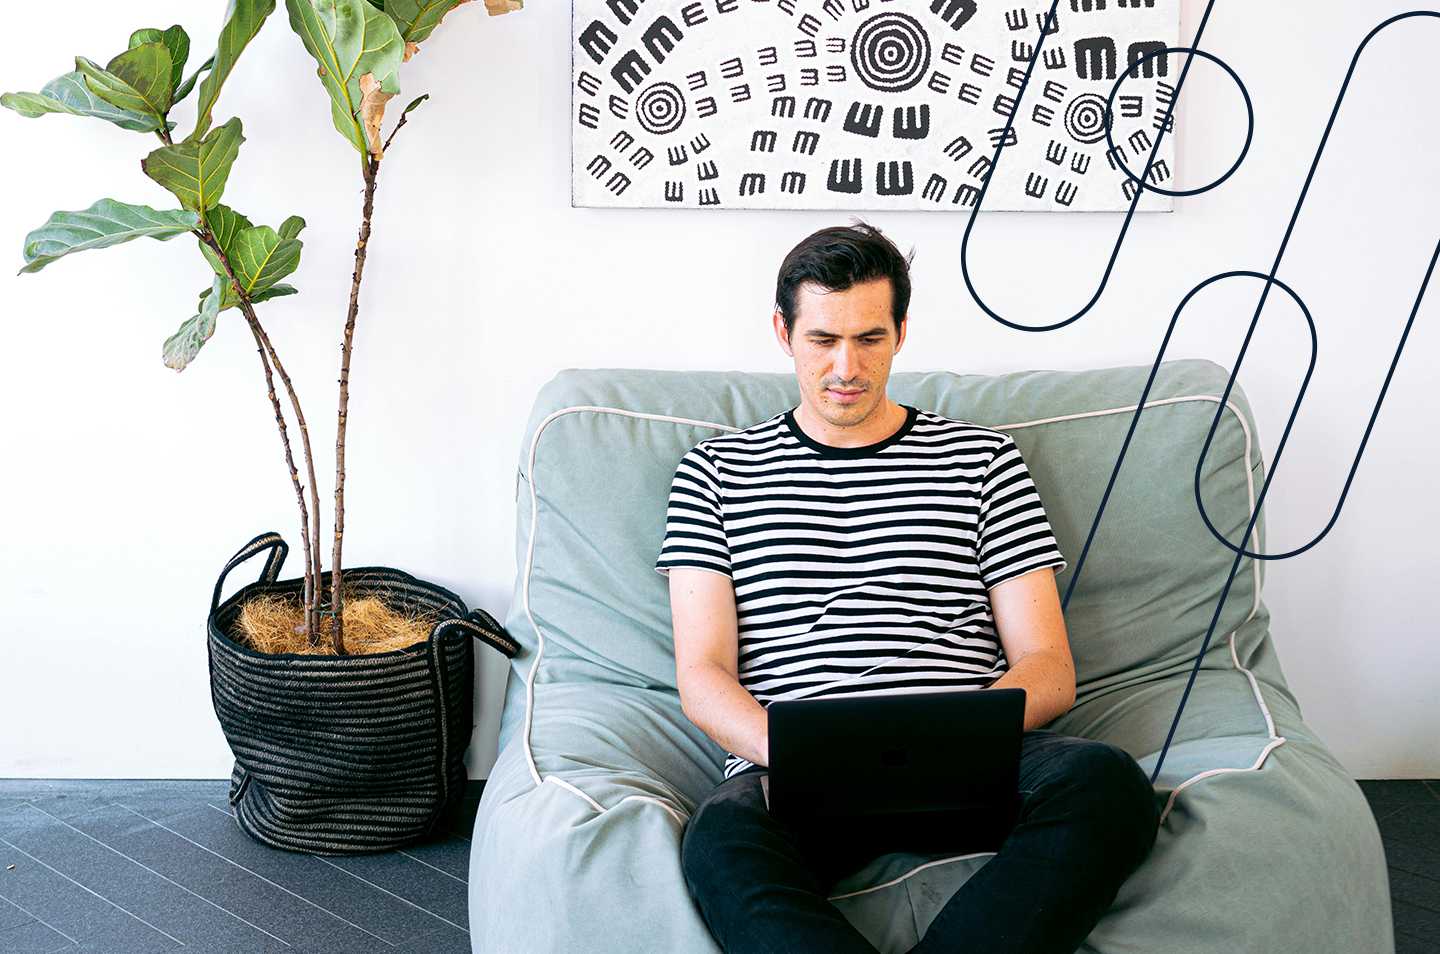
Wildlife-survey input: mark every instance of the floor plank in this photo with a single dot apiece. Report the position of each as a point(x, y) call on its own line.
point(406, 880)
point(1388, 796)
point(1417, 825)
point(450, 856)
point(278, 919)
point(33, 937)
point(1420, 923)
point(100, 854)
point(1419, 890)
point(1401, 855)
point(446, 940)
point(71, 907)
point(12, 916)
point(211, 829)
point(65, 798)
point(1409, 944)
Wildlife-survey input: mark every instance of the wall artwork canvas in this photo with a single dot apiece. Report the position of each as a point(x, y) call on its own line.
point(871, 104)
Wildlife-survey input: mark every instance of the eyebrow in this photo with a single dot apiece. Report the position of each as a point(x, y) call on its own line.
point(877, 330)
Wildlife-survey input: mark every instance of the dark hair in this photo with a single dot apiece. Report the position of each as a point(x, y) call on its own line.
point(840, 256)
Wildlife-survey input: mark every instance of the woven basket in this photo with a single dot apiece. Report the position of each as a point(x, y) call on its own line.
point(340, 755)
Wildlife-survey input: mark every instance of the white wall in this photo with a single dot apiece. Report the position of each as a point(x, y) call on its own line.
point(125, 486)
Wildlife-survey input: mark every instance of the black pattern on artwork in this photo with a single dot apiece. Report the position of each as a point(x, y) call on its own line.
point(880, 103)
point(660, 109)
point(890, 52)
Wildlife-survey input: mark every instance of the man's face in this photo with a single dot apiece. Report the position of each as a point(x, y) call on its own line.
point(842, 341)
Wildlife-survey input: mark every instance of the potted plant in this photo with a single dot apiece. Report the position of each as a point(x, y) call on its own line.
point(345, 695)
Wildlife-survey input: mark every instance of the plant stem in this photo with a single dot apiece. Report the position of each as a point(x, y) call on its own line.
point(398, 126)
point(310, 582)
point(312, 570)
point(337, 601)
point(312, 549)
point(312, 552)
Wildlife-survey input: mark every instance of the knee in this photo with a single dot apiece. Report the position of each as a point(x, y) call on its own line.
point(698, 839)
point(1120, 794)
point(719, 820)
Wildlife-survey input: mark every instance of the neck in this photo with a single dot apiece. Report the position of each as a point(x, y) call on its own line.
point(884, 421)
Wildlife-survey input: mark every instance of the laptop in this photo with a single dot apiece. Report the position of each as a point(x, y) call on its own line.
point(925, 772)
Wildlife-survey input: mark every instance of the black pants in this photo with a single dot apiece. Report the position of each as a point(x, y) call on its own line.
point(1088, 818)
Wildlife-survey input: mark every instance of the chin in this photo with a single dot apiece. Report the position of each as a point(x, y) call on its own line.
point(865, 404)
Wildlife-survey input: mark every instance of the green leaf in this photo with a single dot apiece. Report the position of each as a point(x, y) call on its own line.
point(137, 80)
point(70, 94)
point(189, 84)
point(242, 21)
point(230, 301)
point(413, 103)
point(196, 172)
point(182, 347)
point(224, 223)
point(227, 294)
point(176, 40)
point(261, 258)
point(275, 291)
point(291, 227)
point(349, 39)
point(105, 223)
point(259, 255)
point(417, 19)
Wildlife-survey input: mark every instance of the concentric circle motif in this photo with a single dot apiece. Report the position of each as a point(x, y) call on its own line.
point(660, 109)
point(1085, 118)
point(890, 52)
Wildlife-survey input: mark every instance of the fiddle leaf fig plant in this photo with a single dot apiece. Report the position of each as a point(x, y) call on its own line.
point(195, 171)
point(358, 50)
point(177, 43)
point(71, 94)
point(417, 19)
point(182, 347)
point(358, 47)
point(242, 21)
point(105, 223)
point(138, 80)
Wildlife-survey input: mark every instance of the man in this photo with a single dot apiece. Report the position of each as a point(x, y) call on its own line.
point(851, 546)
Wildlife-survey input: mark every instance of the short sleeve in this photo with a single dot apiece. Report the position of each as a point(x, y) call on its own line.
point(694, 523)
point(1015, 534)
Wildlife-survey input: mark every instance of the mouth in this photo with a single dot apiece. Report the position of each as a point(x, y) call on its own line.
point(846, 395)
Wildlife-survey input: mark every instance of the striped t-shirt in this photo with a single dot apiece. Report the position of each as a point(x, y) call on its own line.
point(860, 570)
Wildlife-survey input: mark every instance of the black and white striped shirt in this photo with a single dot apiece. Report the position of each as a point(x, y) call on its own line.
point(860, 570)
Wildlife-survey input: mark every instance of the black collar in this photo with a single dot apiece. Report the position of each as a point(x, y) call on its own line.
point(865, 450)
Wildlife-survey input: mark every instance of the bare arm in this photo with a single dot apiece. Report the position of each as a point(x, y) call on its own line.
point(1031, 627)
point(702, 607)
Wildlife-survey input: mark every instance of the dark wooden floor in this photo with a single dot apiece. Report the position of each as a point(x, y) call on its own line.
point(1409, 817)
point(130, 867)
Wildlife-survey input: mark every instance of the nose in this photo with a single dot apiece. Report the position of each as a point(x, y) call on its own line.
point(846, 363)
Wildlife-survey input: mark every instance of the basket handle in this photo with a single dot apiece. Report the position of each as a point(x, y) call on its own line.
point(271, 541)
point(483, 626)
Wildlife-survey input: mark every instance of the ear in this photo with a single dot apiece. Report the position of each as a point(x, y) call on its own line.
point(778, 319)
point(904, 326)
